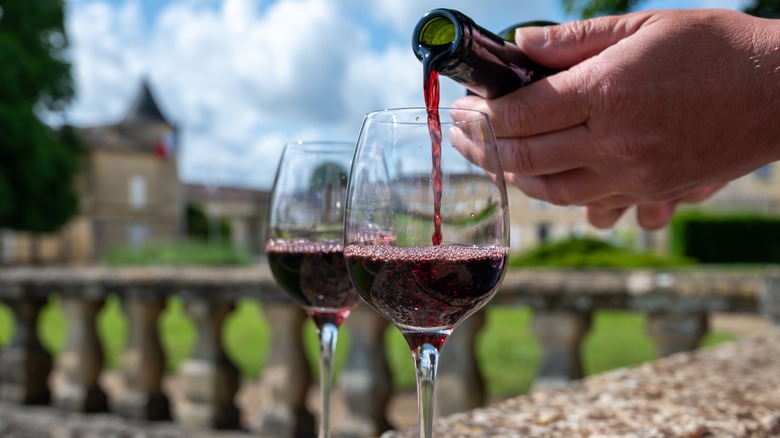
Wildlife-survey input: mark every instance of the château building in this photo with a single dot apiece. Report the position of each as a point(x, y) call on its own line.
point(128, 187)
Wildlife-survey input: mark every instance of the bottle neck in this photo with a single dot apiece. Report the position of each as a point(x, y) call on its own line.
point(451, 43)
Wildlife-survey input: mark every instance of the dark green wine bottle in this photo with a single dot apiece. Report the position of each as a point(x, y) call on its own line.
point(448, 42)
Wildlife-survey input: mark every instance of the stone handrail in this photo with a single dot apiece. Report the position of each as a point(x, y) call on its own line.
point(677, 304)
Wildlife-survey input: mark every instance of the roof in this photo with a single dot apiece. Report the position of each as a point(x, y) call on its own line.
point(144, 108)
point(143, 125)
point(206, 193)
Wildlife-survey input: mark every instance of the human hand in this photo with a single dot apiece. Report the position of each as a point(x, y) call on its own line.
point(654, 107)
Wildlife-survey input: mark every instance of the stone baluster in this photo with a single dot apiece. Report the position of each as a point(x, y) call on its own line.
point(560, 334)
point(81, 361)
point(769, 296)
point(366, 381)
point(675, 332)
point(142, 365)
point(286, 377)
point(25, 365)
point(459, 385)
point(210, 380)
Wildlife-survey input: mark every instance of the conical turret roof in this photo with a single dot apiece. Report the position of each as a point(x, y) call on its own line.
point(144, 108)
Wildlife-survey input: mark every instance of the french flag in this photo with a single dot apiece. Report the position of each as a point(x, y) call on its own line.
point(166, 145)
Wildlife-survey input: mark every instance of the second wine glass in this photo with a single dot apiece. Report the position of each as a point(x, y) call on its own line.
point(304, 243)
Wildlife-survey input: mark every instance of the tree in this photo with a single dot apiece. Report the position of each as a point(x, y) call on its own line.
point(38, 164)
point(592, 8)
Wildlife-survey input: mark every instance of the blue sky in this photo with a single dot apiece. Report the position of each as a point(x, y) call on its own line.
point(244, 77)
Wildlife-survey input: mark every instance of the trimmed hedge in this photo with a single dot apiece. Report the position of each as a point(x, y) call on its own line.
point(726, 238)
point(587, 252)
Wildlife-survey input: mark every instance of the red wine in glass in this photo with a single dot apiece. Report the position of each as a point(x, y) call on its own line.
point(315, 274)
point(427, 287)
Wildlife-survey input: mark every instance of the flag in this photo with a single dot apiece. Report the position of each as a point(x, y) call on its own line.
point(166, 145)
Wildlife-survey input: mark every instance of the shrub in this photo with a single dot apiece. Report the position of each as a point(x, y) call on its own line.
point(726, 238)
point(587, 252)
point(191, 253)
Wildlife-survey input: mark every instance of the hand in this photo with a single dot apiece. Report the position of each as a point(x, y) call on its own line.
point(654, 107)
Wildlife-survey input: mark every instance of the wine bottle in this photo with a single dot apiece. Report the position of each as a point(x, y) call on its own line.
point(449, 42)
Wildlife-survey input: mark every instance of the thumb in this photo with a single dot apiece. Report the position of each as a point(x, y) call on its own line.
point(568, 44)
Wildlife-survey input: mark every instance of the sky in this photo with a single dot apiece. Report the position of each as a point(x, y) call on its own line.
point(241, 78)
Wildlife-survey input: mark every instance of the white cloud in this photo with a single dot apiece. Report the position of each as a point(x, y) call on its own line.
point(104, 44)
point(240, 83)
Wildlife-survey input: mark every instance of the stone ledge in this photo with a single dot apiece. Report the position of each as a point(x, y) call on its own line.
point(697, 290)
point(727, 391)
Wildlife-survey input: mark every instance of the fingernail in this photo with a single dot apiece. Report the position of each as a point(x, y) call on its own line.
point(531, 36)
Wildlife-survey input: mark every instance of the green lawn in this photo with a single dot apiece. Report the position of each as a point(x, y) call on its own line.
point(507, 352)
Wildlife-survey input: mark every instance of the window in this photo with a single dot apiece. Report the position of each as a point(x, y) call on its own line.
point(515, 237)
point(578, 229)
point(137, 192)
point(764, 173)
point(137, 234)
point(543, 232)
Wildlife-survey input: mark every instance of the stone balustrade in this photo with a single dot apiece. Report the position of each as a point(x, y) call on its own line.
point(677, 305)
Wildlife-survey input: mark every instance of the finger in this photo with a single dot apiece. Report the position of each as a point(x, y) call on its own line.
point(568, 44)
point(549, 153)
point(476, 150)
point(551, 104)
point(554, 152)
point(603, 217)
point(656, 215)
point(572, 187)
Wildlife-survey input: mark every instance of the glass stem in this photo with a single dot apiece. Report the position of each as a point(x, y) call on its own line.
point(426, 359)
point(328, 335)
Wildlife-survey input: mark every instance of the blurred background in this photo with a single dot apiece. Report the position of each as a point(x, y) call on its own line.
point(170, 115)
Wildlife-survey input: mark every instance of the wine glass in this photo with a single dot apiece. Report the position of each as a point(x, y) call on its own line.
point(426, 239)
point(304, 244)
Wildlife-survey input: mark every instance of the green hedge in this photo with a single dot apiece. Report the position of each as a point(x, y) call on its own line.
point(188, 253)
point(587, 252)
point(726, 238)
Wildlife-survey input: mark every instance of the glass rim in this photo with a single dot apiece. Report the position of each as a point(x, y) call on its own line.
point(373, 115)
point(320, 145)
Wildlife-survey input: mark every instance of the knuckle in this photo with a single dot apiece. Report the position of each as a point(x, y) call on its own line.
point(557, 193)
point(521, 116)
point(521, 159)
point(577, 30)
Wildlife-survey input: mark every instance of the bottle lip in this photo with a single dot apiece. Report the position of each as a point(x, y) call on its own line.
point(454, 17)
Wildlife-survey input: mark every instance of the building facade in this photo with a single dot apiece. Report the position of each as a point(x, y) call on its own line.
point(129, 192)
point(244, 209)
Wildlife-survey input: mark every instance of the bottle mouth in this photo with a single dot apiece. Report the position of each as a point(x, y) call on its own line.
point(437, 31)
